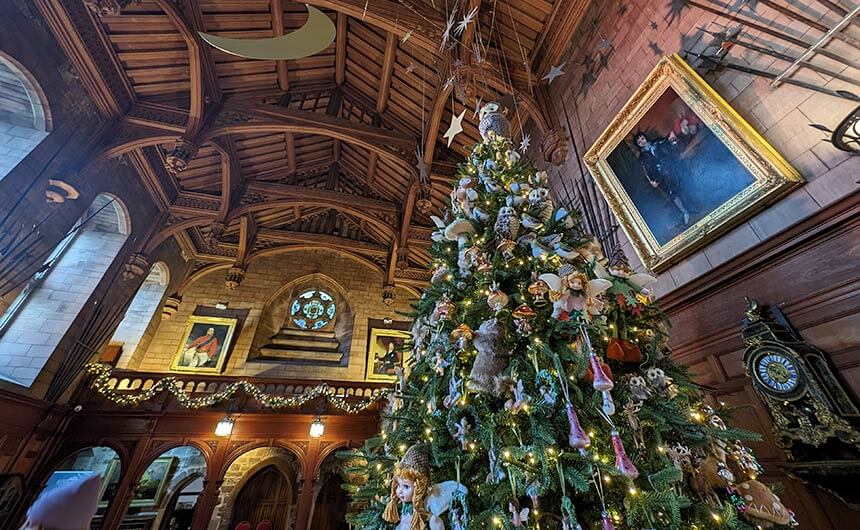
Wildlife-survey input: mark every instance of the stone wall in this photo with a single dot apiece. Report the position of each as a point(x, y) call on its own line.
point(265, 277)
point(621, 41)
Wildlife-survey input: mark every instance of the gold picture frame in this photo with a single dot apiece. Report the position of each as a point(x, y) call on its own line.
point(387, 349)
point(200, 352)
point(697, 170)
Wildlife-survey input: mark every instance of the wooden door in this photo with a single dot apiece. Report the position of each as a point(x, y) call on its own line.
point(265, 496)
point(331, 506)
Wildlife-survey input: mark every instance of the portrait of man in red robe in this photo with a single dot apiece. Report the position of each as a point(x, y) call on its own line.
point(201, 350)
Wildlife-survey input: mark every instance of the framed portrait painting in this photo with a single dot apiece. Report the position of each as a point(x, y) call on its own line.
point(678, 166)
point(387, 350)
point(151, 485)
point(204, 346)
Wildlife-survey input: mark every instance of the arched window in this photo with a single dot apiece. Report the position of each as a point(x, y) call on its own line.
point(45, 305)
point(101, 461)
point(167, 491)
point(139, 313)
point(23, 118)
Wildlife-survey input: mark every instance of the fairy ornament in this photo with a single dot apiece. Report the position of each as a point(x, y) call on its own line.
point(415, 504)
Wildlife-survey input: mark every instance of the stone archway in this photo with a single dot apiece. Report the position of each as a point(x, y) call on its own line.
point(243, 468)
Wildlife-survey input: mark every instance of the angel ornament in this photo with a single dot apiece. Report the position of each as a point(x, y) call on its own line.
point(519, 517)
point(415, 504)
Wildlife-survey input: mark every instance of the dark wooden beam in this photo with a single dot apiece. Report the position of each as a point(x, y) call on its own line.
point(324, 240)
point(340, 49)
point(243, 117)
point(554, 40)
point(425, 22)
point(202, 77)
point(387, 72)
point(247, 238)
point(231, 176)
point(277, 9)
point(64, 20)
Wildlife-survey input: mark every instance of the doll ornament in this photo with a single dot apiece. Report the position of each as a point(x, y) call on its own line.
point(414, 503)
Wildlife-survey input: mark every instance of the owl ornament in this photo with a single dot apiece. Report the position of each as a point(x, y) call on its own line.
point(540, 203)
point(507, 223)
point(493, 120)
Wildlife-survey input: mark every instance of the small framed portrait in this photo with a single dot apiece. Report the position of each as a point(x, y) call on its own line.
point(387, 350)
point(678, 166)
point(151, 485)
point(205, 344)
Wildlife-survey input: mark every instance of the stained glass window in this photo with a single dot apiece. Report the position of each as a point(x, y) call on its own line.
point(313, 310)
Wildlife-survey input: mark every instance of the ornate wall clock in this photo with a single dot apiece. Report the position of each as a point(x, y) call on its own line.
point(809, 404)
point(815, 418)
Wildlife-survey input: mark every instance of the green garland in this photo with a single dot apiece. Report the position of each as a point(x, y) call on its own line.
point(171, 384)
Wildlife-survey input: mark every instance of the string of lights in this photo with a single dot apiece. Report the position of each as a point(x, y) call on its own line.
point(102, 377)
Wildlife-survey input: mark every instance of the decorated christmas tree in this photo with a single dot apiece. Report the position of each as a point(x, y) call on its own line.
point(541, 392)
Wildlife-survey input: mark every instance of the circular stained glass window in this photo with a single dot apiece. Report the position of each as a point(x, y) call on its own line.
point(313, 310)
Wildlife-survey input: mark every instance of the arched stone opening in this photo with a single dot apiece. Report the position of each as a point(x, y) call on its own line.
point(24, 115)
point(161, 485)
point(308, 320)
point(96, 460)
point(139, 314)
point(43, 307)
point(241, 472)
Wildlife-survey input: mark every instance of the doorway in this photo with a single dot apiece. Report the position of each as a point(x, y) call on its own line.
point(264, 497)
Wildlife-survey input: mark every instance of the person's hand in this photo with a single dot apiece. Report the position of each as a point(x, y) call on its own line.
point(672, 138)
point(654, 183)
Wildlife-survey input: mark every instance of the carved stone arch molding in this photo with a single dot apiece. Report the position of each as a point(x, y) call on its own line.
point(244, 467)
point(278, 338)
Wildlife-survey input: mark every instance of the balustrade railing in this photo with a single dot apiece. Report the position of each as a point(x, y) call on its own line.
point(197, 385)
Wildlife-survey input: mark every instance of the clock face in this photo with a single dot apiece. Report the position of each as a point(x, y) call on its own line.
point(778, 372)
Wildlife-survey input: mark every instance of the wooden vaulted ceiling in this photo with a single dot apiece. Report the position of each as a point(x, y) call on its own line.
point(315, 152)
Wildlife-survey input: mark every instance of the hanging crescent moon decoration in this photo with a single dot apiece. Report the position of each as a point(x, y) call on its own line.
point(314, 36)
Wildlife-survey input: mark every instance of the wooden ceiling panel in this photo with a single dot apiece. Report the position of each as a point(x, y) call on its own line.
point(377, 80)
point(150, 50)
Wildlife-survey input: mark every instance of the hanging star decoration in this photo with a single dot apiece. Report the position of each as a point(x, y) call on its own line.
point(423, 168)
point(464, 23)
point(554, 72)
point(410, 68)
point(455, 128)
point(449, 27)
point(479, 102)
point(406, 37)
point(653, 25)
point(526, 142)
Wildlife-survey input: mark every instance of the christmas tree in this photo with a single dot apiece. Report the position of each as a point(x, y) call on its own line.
point(541, 392)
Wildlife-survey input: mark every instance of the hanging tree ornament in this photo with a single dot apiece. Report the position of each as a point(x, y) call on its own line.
point(519, 517)
point(461, 433)
point(523, 316)
point(577, 438)
point(466, 20)
point(455, 128)
point(493, 122)
point(554, 72)
point(526, 142)
point(622, 461)
point(454, 391)
point(520, 400)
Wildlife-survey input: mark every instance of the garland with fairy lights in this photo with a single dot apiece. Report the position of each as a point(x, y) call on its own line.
point(102, 376)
